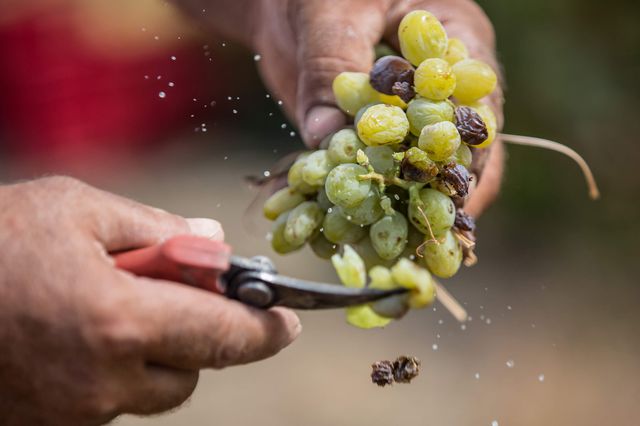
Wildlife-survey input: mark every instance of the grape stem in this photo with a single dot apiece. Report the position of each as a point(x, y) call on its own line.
point(594, 193)
point(382, 180)
point(449, 302)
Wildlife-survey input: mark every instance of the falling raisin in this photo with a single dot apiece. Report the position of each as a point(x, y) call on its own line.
point(382, 373)
point(393, 75)
point(402, 370)
point(405, 369)
point(456, 177)
point(472, 129)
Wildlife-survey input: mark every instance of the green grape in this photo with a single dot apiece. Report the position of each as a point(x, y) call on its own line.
point(489, 118)
point(350, 268)
point(389, 235)
point(463, 156)
point(437, 207)
point(389, 307)
point(337, 229)
point(383, 125)
point(365, 317)
point(475, 80)
point(444, 259)
point(278, 242)
point(367, 212)
point(343, 187)
point(353, 91)
point(409, 275)
point(380, 158)
point(281, 201)
point(414, 239)
point(380, 278)
point(361, 111)
point(322, 247)
point(416, 166)
point(422, 112)
point(434, 79)
point(316, 168)
point(343, 146)
point(294, 177)
point(323, 201)
point(440, 141)
point(365, 249)
point(421, 36)
point(302, 222)
point(456, 51)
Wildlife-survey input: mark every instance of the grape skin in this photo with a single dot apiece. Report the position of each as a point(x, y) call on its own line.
point(389, 235)
point(475, 80)
point(383, 125)
point(278, 242)
point(352, 91)
point(343, 187)
point(294, 177)
point(422, 112)
point(437, 207)
point(435, 79)
point(444, 259)
point(338, 230)
point(440, 140)
point(365, 213)
point(302, 222)
point(380, 158)
point(343, 146)
point(456, 51)
point(281, 201)
point(463, 156)
point(490, 121)
point(409, 275)
point(421, 36)
point(316, 168)
point(322, 247)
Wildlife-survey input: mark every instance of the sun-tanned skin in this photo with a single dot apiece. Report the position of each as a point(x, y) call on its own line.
point(83, 342)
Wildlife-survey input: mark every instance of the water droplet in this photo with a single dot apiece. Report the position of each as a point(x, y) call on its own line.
point(494, 423)
point(283, 126)
point(229, 98)
point(267, 96)
point(143, 29)
point(266, 173)
point(156, 38)
point(477, 376)
point(171, 84)
point(212, 103)
point(440, 321)
point(488, 321)
point(162, 95)
point(541, 377)
point(226, 157)
point(510, 363)
point(509, 307)
point(159, 77)
point(463, 327)
point(279, 102)
point(235, 111)
point(173, 58)
point(292, 134)
point(269, 236)
point(257, 57)
point(224, 44)
point(434, 347)
point(146, 77)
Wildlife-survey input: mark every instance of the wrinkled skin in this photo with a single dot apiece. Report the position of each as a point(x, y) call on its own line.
point(83, 341)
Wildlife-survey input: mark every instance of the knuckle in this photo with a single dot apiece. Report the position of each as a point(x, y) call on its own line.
point(116, 335)
point(62, 183)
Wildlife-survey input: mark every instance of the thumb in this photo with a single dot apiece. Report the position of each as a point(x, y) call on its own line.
point(334, 37)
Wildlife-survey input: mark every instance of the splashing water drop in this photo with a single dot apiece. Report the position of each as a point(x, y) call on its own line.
point(434, 347)
point(541, 377)
point(477, 376)
point(173, 58)
point(494, 423)
point(162, 95)
point(171, 84)
point(510, 363)
point(257, 57)
point(292, 134)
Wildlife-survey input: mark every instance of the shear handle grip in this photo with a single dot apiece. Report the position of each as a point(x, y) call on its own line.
point(187, 259)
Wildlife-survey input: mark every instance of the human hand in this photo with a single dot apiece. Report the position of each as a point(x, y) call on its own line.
point(83, 341)
point(304, 44)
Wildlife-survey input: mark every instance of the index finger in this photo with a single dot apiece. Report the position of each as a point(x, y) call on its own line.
point(189, 328)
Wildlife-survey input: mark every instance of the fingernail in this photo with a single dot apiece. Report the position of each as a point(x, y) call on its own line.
point(320, 121)
point(207, 228)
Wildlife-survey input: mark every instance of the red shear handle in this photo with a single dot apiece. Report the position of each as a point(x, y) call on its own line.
point(187, 259)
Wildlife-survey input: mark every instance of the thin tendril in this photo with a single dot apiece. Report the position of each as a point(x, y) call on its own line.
point(433, 239)
point(594, 193)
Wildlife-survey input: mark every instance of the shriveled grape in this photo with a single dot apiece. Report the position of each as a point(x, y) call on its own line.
point(422, 112)
point(440, 140)
point(383, 125)
point(316, 168)
point(434, 79)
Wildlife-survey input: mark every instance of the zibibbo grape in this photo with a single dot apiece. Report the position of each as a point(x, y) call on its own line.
point(456, 51)
point(281, 201)
point(434, 79)
point(440, 140)
point(380, 158)
point(344, 187)
point(278, 242)
point(343, 146)
point(422, 112)
point(353, 91)
point(302, 222)
point(432, 206)
point(421, 36)
point(389, 235)
point(322, 247)
point(383, 125)
point(365, 213)
point(337, 229)
point(416, 166)
point(294, 177)
point(443, 258)
point(316, 168)
point(474, 80)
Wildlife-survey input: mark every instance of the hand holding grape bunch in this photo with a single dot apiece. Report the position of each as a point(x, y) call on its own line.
point(392, 187)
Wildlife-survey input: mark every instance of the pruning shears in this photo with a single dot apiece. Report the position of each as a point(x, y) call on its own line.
point(209, 265)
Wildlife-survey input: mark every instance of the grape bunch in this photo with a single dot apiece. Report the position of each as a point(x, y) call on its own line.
point(386, 195)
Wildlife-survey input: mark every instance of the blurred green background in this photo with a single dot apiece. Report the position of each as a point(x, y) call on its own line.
point(555, 323)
